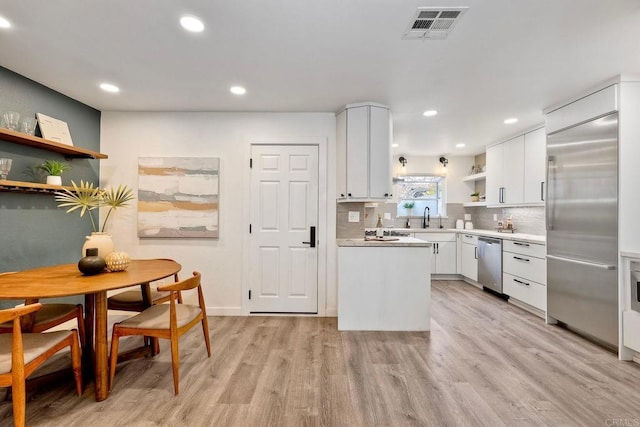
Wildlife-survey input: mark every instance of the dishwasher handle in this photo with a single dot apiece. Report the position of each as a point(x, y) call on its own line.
point(490, 241)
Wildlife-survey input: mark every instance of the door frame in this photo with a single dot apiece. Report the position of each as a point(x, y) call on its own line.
point(322, 236)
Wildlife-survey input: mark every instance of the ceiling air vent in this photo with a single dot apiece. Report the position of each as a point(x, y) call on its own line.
point(433, 23)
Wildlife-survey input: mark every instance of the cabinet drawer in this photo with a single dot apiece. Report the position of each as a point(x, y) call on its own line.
point(525, 248)
point(469, 238)
point(526, 291)
point(527, 267)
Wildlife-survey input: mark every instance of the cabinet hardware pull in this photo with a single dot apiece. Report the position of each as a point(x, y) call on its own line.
point(521, 282)
point(542, 191)
point(437, 248)
point(349, 194)
point(476, 252)
point(521, 244)
point(521, 259)
point(468, 236)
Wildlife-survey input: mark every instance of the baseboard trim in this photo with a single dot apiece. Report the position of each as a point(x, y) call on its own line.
point(224, 311)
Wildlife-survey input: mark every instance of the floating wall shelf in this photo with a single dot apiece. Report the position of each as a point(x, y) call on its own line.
point(68, 151)
point(30, 187)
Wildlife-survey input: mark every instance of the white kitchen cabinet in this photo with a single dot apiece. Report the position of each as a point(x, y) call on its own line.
point(516, 171)
point(469, 256)
point(392, 293)
point(494, 179)
point(524, 275)
point(444, 251)
point(363, 145)
point(505, 172)
point(535, 155)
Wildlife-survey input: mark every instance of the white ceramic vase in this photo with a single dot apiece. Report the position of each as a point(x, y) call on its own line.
point(102, 241)
point(54, 180)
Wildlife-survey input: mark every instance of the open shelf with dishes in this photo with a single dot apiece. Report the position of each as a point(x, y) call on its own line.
point(68, 151)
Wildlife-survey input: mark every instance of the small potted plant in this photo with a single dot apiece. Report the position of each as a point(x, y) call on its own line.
point(475, 197)
point(408, 206)
point(54, 170)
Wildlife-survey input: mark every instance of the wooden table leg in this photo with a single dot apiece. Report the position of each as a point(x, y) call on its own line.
point(102, 362)
point(88, 359)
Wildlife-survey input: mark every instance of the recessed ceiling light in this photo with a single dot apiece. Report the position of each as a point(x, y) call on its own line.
point(238, 90)
point(4, 22)
point(108, 87)
point(510, 121)
point(430, 113)
point(394, 145)
point(191, 23)
point(460, 145)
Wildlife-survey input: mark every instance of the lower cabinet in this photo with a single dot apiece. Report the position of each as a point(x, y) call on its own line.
point(443, 259)
point(525, 272)
point(469, 256)
point(527, 291)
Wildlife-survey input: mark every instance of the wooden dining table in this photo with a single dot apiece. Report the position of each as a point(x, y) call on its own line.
point(66, 280)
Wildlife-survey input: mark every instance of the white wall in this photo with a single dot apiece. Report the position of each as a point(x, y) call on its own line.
point(125, 136)
point(457, 168)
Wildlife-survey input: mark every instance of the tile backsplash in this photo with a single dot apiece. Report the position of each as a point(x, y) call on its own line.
point(529, 220)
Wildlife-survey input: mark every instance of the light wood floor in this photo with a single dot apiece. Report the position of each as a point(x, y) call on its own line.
point(485, 363)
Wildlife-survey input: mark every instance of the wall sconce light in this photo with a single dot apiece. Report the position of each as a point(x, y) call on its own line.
point(444, 161)
point(403, 161)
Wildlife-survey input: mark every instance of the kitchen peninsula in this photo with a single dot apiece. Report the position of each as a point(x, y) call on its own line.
point(384, 285)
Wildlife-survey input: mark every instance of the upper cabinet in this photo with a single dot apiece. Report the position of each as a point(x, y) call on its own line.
point(516, 171)
point(535, 168)
point(363, 144)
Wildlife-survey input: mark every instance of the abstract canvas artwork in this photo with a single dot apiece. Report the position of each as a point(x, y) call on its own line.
point(178, 196)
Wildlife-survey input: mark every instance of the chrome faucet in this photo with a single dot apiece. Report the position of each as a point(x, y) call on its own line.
point(426, 217)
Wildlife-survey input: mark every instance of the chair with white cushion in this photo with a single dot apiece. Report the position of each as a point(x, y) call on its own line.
point(132, 300)
point(21, 354)
point(168, 321)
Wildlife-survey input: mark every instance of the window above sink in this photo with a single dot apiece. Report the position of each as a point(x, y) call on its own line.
point(416, 192)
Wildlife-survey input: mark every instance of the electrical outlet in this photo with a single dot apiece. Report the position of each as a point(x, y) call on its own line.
point(467, 217)
point(387, 215)
point(495, 217)
point(354, 216)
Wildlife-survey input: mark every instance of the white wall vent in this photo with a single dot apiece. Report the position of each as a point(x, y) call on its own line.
point(433, 23)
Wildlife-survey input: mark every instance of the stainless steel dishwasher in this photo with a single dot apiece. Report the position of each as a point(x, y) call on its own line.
point(490, 263)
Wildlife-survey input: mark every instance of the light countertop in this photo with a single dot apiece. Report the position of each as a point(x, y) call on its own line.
point(531, 238)
point(372, 242)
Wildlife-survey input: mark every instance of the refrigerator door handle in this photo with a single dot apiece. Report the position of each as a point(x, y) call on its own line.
point(550, 205)
point(587, 263)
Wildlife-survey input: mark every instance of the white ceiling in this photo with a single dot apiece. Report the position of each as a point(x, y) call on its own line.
point(505, 58)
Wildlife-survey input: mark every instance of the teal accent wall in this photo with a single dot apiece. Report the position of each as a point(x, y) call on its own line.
point(34, 232)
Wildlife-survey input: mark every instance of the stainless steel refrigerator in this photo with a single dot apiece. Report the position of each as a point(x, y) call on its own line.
point(582, 227)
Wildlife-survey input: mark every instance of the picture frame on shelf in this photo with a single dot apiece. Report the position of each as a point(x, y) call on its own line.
point(54, 129)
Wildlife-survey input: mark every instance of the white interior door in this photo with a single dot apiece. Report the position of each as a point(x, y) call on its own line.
point(284, 211)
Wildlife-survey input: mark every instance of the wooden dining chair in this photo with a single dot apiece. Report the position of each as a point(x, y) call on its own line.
point(52, 314)
point(21, 354)
point(168, 321)
point(132, 300)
